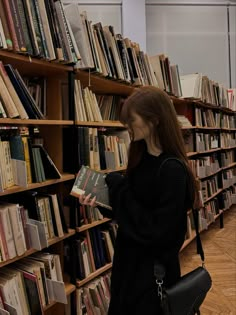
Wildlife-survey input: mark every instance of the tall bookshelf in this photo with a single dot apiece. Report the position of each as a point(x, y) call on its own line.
point(100, 86)
point(218, 174)
point(212, 154)
point(51, 131)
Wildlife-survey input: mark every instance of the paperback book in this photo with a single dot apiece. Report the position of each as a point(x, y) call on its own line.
point(91, 181)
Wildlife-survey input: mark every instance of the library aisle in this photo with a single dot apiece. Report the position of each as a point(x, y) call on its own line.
point(220, 253)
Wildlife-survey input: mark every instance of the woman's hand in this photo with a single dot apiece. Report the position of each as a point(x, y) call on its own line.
point(86, 200)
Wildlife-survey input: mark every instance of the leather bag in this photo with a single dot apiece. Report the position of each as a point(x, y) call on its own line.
point(188, 293)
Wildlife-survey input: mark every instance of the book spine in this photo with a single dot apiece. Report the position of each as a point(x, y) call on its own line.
point(4, 248)
point(24, 27)
point(8, 232)
point(65, 32)
point(11, 25)
point(41, 30)
point(7, 34)
point(18, 26)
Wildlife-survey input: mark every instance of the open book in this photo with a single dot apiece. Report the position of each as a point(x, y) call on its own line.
point(90, 181)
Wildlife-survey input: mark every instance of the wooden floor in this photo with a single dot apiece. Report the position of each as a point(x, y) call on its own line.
point(220, 256)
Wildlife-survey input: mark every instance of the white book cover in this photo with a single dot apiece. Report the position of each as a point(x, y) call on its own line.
point(34, 236)
point(17, 228)
point(7, 228)
point(41, 232)
point(191, 85)
point(57, 291)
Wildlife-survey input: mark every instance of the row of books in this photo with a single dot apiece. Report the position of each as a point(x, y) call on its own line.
point(22, 161)
point(28, 286)
point(210, 118)
point(199, 86)
point(227, 157)
point(205, 166)
point(87, 214)
point(16, 100)
point(213, 207)
point(200, 142)
point(228, 197)
point(31, 223)
point(94, 248)
point(37, 28)
point(92, 107)
point(96, 147)
point(94, 296)
point(110, 106)
point(110, 54)
point(227, 140)
point(209, 187)
point(86, 106)
point(228, 178)
point(206, 141)
point(207, 118)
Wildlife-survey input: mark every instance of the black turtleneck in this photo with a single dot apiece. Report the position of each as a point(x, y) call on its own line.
point(150, 207)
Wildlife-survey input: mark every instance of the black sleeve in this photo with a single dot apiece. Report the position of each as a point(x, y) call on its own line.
point(113, 180)
point(165, 222)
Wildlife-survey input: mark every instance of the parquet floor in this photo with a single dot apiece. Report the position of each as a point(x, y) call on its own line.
point(220, 256)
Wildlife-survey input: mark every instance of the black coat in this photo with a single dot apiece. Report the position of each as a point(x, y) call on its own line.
point(151, 210)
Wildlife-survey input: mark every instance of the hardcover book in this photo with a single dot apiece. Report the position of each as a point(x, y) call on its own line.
point(90, 181)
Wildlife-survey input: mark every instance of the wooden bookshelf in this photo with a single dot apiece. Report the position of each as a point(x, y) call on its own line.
point(93, 275)
point(50, 130)
point(102, 85)
point(31, 251)
point(34, 122)
point(105, 123)
point(91, 225)
point(34, 66)
point(69, 288)
point(17, 189)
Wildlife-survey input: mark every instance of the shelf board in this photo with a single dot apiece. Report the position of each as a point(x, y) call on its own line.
point(207, 128)
point(80, 283)
point(16, 189)
point(69, 288)
point(32, 251)
point(33, 66)
point(229, 166)
point(102, 85)
point(26, 122)
point(189, 154)
point(118, 169)
point(91, 225)
point(213, 195)
point(105, 123)
point(212, 174)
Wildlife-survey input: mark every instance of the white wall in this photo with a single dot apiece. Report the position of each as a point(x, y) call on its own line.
point(194, 37)
point(134, 21)
point(108, 12)
point(233, 43)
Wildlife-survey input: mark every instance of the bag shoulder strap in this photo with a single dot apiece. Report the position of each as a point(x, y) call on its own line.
point(195, 212)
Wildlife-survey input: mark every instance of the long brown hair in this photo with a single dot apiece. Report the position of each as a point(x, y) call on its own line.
point(157, 110)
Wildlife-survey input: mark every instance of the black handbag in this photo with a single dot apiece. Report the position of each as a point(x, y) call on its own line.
point(188, 293)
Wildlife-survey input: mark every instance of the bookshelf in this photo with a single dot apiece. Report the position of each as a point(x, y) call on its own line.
point(213, 139)
point(213, 205)
point(50, 130)
point(64, 136)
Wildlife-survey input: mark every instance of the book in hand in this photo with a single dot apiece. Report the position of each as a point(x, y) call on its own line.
point(91, 181)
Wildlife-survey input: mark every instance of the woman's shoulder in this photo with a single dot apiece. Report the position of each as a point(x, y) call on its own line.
point(170, 163)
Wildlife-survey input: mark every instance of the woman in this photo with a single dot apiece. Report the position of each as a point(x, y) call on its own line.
point(150, 203)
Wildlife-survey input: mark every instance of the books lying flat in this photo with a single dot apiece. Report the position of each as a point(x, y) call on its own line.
point(90, 181)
